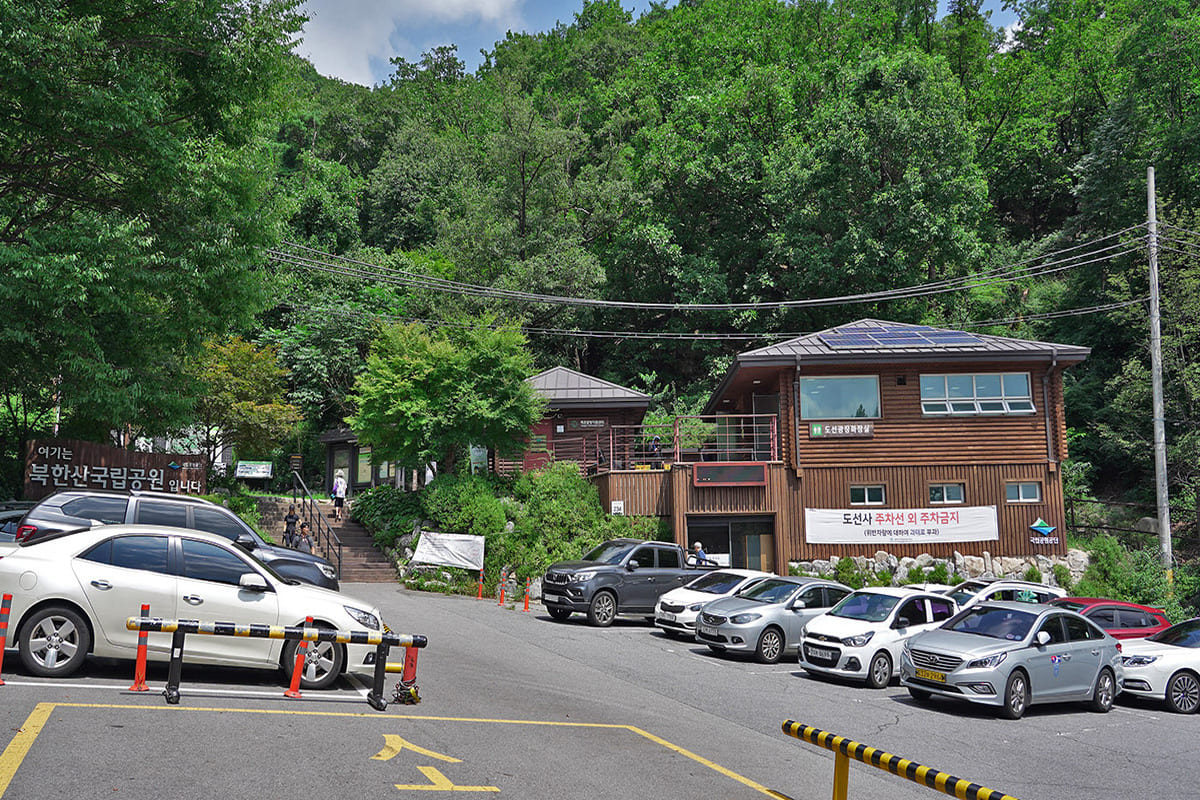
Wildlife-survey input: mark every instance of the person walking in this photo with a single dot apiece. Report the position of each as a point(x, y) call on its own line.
point(289, 526)
point(698, 552)
point(339, 494)
point(303, 540)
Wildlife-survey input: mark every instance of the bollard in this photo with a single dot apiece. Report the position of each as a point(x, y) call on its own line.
point(406, 688)
point(293, 691)
point(5, 604)
point(139, 669)
point(526, 609)
point(501, 595)
point(480, 595)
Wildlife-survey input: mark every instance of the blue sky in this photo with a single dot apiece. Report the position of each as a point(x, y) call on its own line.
point(354, 39)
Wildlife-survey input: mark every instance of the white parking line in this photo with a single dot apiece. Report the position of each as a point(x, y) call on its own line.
point(183, 691)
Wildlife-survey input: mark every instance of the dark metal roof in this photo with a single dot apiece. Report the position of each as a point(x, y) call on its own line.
point(565, 387)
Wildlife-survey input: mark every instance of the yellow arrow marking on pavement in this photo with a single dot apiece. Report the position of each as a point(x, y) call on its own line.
point(393, 745)
point(440, 783)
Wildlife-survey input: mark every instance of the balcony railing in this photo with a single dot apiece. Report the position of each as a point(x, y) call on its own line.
point(751, 437)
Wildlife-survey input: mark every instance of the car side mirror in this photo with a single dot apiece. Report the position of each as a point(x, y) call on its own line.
point(901, 622)
point(252, 582)
point(799, 605)
point(246, 542)
point(1042, 638)
point(632, 566)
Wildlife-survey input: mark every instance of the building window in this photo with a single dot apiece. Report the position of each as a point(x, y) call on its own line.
point(840, 398)
point(1023, 492)
point(866, 495)
point(945, 493)
point(985, 393)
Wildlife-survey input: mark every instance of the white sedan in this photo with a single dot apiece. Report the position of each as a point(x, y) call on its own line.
point(677, 610)
point(861, 637)
point(72, 593)
point(1165, 666)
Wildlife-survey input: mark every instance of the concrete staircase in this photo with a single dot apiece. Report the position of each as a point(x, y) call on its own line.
point(362, 561)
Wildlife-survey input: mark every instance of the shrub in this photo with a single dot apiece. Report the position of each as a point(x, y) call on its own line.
point(1062, 576)
point(916, 575)
point(848, 573)
point(241, 502)
point(939, 573)
point(387, 512)
point(464, 504)
point(1033, 574)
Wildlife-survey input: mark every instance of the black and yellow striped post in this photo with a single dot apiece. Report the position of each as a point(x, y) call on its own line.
point(845, 749)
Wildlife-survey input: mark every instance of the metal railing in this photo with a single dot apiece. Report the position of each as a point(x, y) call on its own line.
point(748, 437)
point(324, 539)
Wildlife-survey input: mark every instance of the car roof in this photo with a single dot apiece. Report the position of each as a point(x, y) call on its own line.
point(100, 532)
point(893, 591)
point(181, 498)
point(1090, 602)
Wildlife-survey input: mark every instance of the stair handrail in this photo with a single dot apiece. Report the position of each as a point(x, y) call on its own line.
point(324, 534)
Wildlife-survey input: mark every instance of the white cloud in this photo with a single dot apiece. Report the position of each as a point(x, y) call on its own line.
point(344, 37)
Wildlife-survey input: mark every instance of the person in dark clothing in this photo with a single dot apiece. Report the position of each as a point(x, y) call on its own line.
point(304, 541)
point(289, 527)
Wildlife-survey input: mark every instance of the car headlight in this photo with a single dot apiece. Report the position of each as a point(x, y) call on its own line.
point(742, 619)
point(858, 641)
point(586, 575)
point(364, 618)
point(1137, 661)
point(990, 662)
point(328, 571)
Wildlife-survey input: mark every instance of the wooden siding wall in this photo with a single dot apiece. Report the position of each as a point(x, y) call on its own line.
point(647, 493)
point(904, 437)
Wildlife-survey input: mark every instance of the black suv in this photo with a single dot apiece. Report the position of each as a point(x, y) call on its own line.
point(74, 509)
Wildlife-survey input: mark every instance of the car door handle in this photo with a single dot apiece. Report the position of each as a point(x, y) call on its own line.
point(102, 584)
point(1066, 656)
point(1095, 652)
point(192, 599)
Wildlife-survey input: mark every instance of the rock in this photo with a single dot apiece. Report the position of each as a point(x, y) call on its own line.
point(1045, 564)
point(1077, 561)
point(509, 526)
point(821, 566)
point(861, 563)
point(535, 589)
point(1013, 566)
point(987, 563)
point(882, 557)
point(973, 566)
point(925, 560)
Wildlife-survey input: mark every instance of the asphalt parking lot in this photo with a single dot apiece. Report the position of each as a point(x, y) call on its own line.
point(520, 706)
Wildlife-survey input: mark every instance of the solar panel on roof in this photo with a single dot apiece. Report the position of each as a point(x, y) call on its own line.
point(953, 337)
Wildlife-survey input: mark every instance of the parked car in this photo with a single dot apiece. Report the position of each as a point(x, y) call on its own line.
point(968, 593)
point(621, 576)
point(1166, 666)
point(862, 635)
point(677, 609)
point(766, 618)
point(75, 509)
point(11, 513)
point(1013, 655)
point(1122, 620)
point(73, 591)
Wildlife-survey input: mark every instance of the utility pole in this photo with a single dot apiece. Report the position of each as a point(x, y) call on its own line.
point(1160, 435)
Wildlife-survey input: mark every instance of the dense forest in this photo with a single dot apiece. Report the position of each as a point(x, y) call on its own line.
point(173, 177)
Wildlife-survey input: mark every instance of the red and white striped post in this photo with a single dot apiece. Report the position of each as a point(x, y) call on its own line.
point(5, 604)
point(139, 669)
point(293, 691)
point(526, 609)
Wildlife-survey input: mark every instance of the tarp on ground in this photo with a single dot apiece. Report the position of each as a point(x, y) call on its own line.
point(450, 550)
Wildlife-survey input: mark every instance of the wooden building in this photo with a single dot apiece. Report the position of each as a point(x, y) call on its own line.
point(885, 436)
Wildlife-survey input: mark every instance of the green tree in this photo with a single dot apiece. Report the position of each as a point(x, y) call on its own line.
point(241, 399)
point(426, 395)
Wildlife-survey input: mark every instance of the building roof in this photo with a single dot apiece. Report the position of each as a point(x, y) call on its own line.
point(566, 388)
point(873, 341)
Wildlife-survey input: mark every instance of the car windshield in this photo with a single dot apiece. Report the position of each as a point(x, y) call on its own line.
point(716, 582)
point(1185, 634)
point(1071, 605)
point(994, 623)
point(610, 552)
point(769, 591)
point(866, 606)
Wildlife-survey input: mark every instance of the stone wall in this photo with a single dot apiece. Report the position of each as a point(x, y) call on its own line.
point(985, 566)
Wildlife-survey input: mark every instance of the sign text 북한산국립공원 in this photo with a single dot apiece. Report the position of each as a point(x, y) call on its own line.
point(900, 526)
point(53, 465)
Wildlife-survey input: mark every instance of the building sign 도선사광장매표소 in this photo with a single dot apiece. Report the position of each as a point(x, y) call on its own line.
point(841, 430)
point(53, 465)
point(900, 526)
point(586, 424)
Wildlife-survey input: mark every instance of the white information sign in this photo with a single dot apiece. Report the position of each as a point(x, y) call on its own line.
point(872, 526)
point(450, 550)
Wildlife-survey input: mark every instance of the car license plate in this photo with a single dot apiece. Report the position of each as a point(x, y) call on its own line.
point(667, 616)
point(930, 675)
point(706, 630)
point(819, 652)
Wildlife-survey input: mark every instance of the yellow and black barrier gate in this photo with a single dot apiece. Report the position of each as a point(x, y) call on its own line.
point(383, 642)
point(845, 749)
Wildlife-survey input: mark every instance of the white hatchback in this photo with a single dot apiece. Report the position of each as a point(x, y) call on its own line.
point(861, 637)
point(677, 610)
point(73, 591)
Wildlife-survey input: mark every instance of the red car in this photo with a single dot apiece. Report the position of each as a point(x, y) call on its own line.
point(1122, 620)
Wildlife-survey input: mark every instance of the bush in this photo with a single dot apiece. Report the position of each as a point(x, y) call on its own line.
point(387, 512)
point(464, 504)
point(1033, 574)
point(241, 502)
point(848, 573)
point(939, 573)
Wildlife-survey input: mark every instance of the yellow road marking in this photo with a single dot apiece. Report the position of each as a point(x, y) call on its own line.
point(440, 783)
point(393, 745)
point(14, 754)
point(42, 712)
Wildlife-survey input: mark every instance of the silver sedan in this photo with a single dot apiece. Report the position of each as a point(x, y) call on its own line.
point(766, 618)
point(1012, 655)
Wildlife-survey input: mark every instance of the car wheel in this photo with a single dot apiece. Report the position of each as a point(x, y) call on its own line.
point(558, 614)
point(1183, 693)
point(770, 646)
point(323, 662)
point(1104, 693)
point(920, 695)
point(1016, 696)
point(879, 673)
point(54, 642)
point(603, 609)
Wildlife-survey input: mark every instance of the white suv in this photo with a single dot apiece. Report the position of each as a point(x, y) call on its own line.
point(861, 636)
point(968, 593)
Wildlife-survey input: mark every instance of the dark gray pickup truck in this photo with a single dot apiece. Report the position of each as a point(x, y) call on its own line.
point(621, 576)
